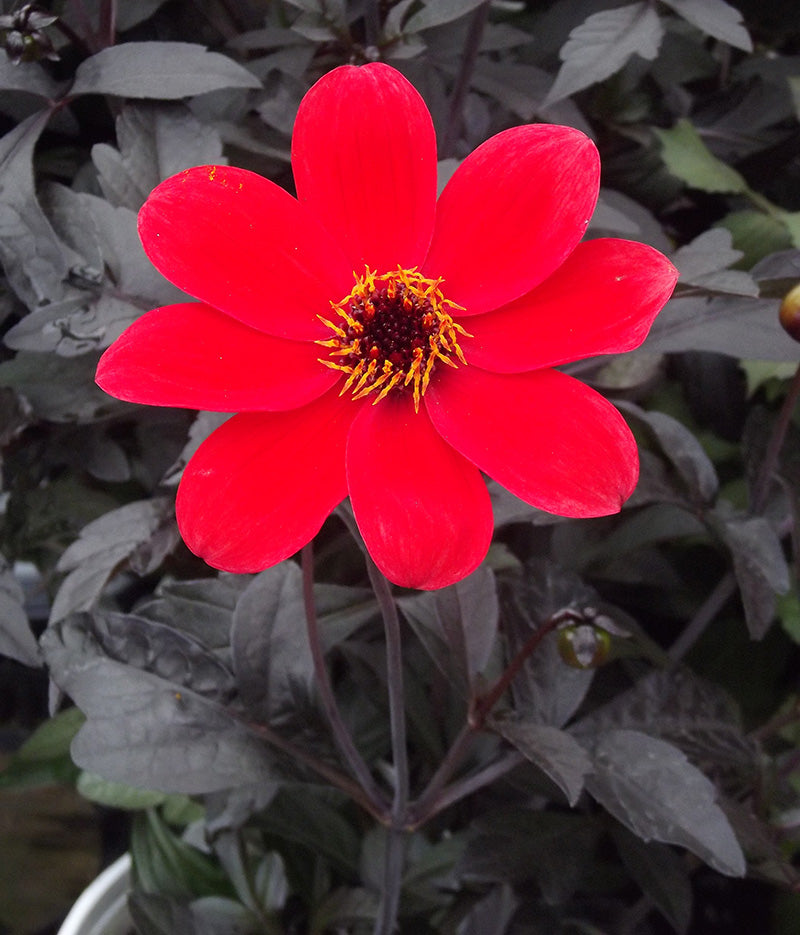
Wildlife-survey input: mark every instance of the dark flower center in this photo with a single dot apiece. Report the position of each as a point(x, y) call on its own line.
point(390, 332)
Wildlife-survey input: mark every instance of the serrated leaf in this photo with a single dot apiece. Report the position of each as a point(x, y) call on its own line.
point(58, 389)
point(26, 76)
point(756, 234)
point(439, 12)
point(164, 651)
point(652, 788)
point(715, 18)
point(704, 262)
point(203, 608)
point(16, 637)
point(164, 71)
point(760, 568)
point(301, 815)
point(515, 844)
point(660, 873)
point(688, 158)
point(490, 915)
point(101, 546)
point(269, 642)
point(31, 254)
point(457, 625)
point(693, 714)
point(546, 690)
point(554, 751)
point(155, 142)
point(682, 449)
point(736, 326)
point(147, 732)
point(603, 44)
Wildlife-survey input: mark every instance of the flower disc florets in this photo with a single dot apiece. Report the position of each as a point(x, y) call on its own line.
point(390, 332)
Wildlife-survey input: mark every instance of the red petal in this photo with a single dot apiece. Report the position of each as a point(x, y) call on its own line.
point(193, 356)
point(423, 510)
point(544, 436)
point(364, 161)
point(240, 243)
point(511, 214)
point(260, 487)
point(601, 300)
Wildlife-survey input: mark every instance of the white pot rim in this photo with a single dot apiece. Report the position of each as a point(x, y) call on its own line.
point(101, 903)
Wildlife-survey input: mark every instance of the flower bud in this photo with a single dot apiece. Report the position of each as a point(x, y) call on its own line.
point(583, 645)
point(790, 313)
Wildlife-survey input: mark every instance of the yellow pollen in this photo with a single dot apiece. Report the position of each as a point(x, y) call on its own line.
point(390, 332)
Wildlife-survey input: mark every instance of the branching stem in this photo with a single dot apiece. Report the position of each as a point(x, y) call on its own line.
point(341, 735)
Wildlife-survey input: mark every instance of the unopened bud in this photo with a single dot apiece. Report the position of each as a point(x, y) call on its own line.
point(790, 313)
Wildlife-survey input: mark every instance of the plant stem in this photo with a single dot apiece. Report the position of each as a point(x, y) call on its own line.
point(325, 770)
point(726, 586)
point(108, 22)
point(484, 704)
point(341, 734)
point(393, 862)
point(394, 679)
point(386, 922)
point(468, 59)
point(432, 797)
point(708, 610)
point(771, 455)
point(372, 24)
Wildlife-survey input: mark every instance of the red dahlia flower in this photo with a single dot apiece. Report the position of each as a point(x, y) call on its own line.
point(378, 343)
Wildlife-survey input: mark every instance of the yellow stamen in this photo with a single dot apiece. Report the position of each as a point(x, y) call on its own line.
point(390, 332)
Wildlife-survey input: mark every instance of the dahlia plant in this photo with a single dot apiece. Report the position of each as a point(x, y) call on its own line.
point(366, 606)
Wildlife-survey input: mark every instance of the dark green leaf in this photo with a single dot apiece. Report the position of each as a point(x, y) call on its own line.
point(160, 70)
point(44, 757)
point(491, 915)
point(760, 568)
point(737, 326)
point(554, 751)
point(344, 908)
point(546, 691)
point(162, 650)
point(158, 915)
point(155, 141)
point(458, 625)
point(439, 12)
point(33, 258)
point(756, 234)
point(203, 608)
point(603, 44)
point(661, 874)
point(516, 844)
point(687, 157)
point(165, 864)
point(716, 18)
point(16, 638)
point(704, 262)
point(269, 643)
point(680, 707)
point(27, 76)
point(144, 731)
point(58, 389)
point(116, 794)
point(300, 815)
point(652, 788)
point(102, 546)
point(681, 448)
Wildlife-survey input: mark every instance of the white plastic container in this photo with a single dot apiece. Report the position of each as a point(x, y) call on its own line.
point(102, 907)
